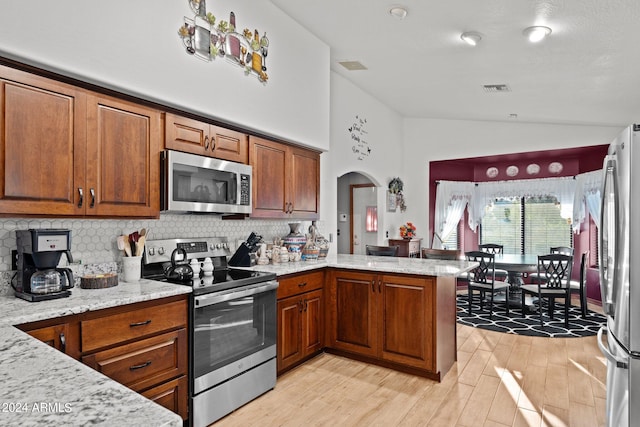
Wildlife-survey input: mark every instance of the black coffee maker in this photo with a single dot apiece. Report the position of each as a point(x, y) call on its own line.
point(39, 251)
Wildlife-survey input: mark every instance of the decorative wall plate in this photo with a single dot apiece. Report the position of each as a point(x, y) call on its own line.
point(512, 170)
point(492, 172)
point(533, 169)
point(555, 168)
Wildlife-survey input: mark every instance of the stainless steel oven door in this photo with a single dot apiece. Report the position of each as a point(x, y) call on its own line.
point(234, 330)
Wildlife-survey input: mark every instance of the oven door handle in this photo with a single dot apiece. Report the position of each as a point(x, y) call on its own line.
point(215, 298)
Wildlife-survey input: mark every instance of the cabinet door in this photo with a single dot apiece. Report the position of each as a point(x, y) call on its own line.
point(289, 346)
point(269, 176)
point(189, 135)
point(56, 336)
point(173, 395)
point(304, 183)
point(312, 322)
point(353, 313)
point(406, 315)
point(42, 145)
point(123, 158)
point(229, 145)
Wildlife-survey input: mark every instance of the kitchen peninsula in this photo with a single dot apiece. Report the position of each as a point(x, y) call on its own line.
point(391, 311)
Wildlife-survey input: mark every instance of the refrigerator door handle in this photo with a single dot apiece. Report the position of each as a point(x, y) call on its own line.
point(608, 235)
point(620, 363)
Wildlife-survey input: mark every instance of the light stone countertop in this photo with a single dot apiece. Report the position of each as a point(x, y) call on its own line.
point(42, 386)
point(381, 264)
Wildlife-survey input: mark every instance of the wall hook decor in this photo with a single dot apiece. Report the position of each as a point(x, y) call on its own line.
point(206, 40)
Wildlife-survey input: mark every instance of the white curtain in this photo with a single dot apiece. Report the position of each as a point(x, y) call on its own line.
point(452, 198)
point(562, 188)
point(587, 199)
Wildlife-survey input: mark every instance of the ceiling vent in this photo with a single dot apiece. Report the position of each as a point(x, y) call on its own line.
point(352, 65)
point(496, 88)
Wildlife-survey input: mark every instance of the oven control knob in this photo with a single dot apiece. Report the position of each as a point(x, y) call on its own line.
point(152, 251)
point(160, 250)
point(224, 245)
point(219, 246)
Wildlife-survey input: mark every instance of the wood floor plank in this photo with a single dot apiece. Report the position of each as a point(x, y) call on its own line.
point(498, 380)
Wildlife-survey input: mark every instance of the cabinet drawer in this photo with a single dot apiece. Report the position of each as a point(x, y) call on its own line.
point(144, 363)
point(122, 327)
point(293, 285)
point(172, 395)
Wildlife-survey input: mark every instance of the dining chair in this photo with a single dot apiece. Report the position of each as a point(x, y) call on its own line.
point(444, 254)
point(552, 281)
point(552, 250)
point(382, 250)
point(496, 249)
point(482, 278)
point(580, 285)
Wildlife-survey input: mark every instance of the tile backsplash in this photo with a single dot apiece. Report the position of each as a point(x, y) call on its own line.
point(93, 241)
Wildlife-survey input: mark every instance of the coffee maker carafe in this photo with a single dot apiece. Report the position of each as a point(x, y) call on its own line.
point(38, 277)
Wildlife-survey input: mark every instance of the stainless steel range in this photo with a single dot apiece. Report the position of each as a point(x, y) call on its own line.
point(233, 323)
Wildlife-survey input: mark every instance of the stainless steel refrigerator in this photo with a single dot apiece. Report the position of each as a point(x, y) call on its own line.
point(619, 260)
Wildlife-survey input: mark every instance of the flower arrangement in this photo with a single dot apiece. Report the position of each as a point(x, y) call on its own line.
point(407, 230)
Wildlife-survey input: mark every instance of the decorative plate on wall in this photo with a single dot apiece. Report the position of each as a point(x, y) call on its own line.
point(533, 169)
point(555, 168)
point(512, 170)
point(492, 172)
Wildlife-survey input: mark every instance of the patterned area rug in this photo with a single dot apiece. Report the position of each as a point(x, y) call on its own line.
point(530, 324)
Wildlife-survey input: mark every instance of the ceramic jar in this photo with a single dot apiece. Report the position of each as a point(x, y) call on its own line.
point(295, 240)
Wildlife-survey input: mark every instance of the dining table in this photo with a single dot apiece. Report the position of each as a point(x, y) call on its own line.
point(516, 266)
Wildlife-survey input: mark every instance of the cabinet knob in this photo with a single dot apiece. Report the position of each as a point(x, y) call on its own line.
point(63, 343)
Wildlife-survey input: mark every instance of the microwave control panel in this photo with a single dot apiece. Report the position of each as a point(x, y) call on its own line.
point(245, 189)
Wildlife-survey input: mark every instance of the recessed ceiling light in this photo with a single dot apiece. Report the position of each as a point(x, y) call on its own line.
point(536, 33)
point(398, 12)
point(471, 37)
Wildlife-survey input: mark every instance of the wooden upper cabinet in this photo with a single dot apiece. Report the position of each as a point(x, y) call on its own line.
point(67, 151)
point(123, 158)
point(286, 180)
point(42, 145)
point(194, 136)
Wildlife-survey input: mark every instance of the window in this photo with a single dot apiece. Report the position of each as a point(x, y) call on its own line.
point(451, 242)
point(529, 225)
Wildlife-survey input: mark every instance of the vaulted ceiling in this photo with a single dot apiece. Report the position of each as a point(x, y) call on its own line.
point(587, 71)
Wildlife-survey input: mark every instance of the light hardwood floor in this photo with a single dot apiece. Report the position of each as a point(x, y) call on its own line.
point(498, 380)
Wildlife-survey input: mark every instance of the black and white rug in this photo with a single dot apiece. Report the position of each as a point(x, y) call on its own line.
point(530, 324)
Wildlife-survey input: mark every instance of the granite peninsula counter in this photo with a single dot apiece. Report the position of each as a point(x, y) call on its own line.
point(42, 386)
point(400, 265)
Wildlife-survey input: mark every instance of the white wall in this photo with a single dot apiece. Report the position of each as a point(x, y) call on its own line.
point(133, 47)
point(432, 139)
point(382, 132)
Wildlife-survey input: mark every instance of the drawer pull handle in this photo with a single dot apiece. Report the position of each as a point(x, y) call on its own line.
point(81, 193)
point(63, 343)
point(133, 325)
point(144, 365)
point(302, 285)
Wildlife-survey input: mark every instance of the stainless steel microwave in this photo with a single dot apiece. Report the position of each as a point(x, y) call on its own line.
point(192, 183)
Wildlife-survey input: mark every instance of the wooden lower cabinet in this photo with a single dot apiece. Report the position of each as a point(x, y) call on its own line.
point(171, 395)
point(392, 319)
point(143, 346)
point(300, 319)
point(57, 335)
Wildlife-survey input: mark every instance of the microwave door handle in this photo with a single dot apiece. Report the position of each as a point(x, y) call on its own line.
point(233, 191)
point(608, 236)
